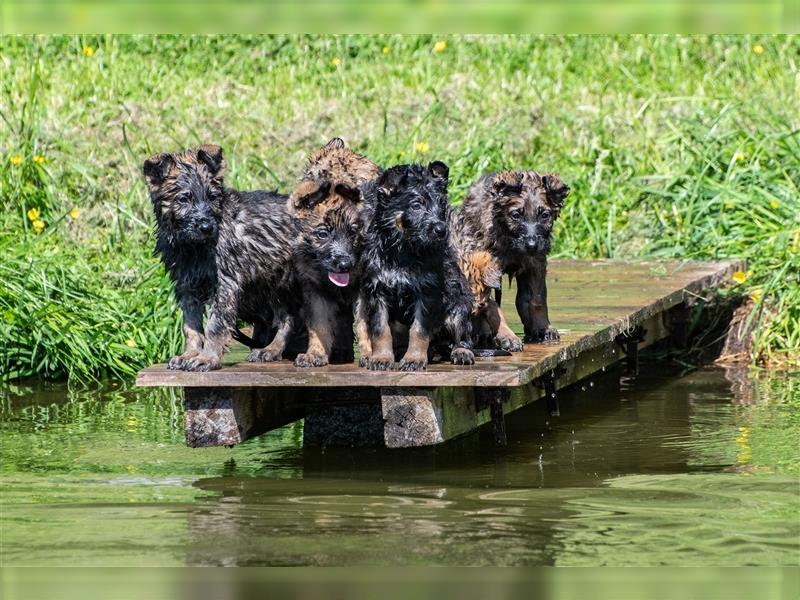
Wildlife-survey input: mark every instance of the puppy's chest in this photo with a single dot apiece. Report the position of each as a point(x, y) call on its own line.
point(404, 285)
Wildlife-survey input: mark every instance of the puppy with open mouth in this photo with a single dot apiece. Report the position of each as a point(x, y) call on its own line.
point(327, 204)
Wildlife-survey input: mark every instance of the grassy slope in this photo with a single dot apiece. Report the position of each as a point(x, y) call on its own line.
point(681, 147)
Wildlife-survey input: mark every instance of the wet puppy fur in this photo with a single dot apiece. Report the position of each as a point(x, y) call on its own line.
point(327, 205)
point(411, 276)
point(511, 215)
point(225, 248)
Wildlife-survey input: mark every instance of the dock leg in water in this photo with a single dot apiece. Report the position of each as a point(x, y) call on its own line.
point(228, 416)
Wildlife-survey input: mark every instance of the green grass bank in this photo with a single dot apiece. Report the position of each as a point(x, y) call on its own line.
point(679, 147)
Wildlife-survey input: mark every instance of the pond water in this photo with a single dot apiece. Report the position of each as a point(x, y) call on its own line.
point(670, 468)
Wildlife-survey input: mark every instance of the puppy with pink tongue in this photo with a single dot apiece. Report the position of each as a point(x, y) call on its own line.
point(339, 279)
point(328, 206)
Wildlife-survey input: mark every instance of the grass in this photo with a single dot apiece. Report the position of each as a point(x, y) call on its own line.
point(674, 147)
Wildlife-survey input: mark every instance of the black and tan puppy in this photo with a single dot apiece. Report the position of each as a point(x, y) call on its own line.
point(411, 276)
point(511, 215)
point(327, 205)
point(227, 248)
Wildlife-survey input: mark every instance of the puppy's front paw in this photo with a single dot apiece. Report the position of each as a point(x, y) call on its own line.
point(263, 355)
point(201, 363)
point(381, 363)
point(509, 343)
point(413, 363)
point(307, 360)
point(176, 363)
point(363, 361)
point(462, 356)
point(548, 335)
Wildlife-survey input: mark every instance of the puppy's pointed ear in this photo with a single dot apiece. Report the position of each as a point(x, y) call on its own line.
point(336, 143)
point(389, 181)
point(348, 192)
point(211, 156)
point(555, 190)
point(438, 169)
point(308, 194)
point(506, 184)
point(156, 168)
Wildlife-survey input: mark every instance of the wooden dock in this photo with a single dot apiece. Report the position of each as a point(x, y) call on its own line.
point(606, 311)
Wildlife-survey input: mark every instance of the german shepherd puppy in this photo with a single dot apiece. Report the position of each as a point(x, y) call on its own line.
point(327, 205)
point(411, 276)
point(224, 247)
point(511, 215)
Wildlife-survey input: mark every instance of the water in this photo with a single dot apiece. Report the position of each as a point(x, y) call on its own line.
point(666, 469)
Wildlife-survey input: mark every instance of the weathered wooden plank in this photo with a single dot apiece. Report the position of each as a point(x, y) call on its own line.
point(227, 416)
point(592, 302)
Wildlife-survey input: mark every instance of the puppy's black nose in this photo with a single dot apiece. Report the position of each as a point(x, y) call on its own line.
point(206, 227)
point(530, 244)
point(344, 265)
point(440, 230)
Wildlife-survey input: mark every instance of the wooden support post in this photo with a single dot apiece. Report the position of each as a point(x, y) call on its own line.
point(343, 418)
point(550, 395)
point(498, 418)
point(630, 342)
point(229, 416)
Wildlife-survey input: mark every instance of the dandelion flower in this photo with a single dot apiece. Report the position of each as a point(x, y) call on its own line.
point(33, 214)
point(774, 204)
point(130, 343)
point(739, 277)
point(728, 206)
point(38, 225)
point(756, 295)
point(336, 62)
point(386, 50)
point(423, 147)
point(38, 159)
point(758, 49)
point(738, 156)
point(74, 213)
point(440, 46)
point(88, 51)
point(16, 159)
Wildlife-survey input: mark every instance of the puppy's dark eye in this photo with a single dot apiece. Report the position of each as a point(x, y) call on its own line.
point(416, 205)
point(322, 233)
point(354, 228)
point(183, 198)
point(544, 214)
point(516, 214)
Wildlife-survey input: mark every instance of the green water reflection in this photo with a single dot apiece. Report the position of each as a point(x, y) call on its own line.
point(667, 469)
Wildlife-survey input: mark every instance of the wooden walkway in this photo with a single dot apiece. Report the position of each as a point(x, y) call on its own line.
point(604, 310)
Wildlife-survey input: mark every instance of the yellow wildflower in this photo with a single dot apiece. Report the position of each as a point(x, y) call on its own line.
point(38, 159)
point(38, 225)
point(440, 46)
point(88, 51)
point(386, 50)
point(738, 156)
point(728, 206)
point(756, 295)
point(74, 213)
point(739, 277)
point(758, 49)
point(16, 159)
point(33, 214)
point(774, 204)
point(130, 343)
point(336, 62)
point(423, 147)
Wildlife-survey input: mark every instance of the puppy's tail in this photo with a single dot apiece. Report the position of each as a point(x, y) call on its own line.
point(482, 273)
point(244, 339)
